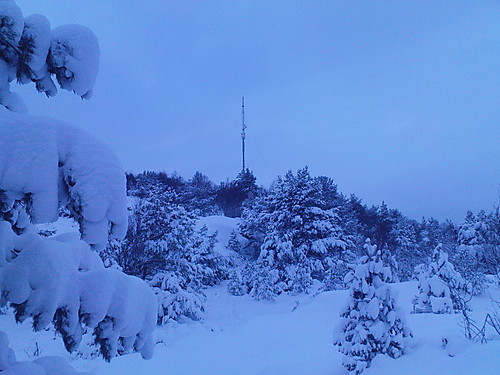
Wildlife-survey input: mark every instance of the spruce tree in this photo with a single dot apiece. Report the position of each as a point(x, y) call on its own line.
point(439, 287)
point(470, 251)
point(372, 324)
point(302, 236)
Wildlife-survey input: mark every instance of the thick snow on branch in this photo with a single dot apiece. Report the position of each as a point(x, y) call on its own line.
point(31, 52)
point(50, 163)
point(74, 58)
point(61, 280)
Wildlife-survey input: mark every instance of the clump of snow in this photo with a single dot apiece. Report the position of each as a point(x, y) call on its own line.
point(7, 355)
point(12, 22)
point(40, 366)
point(74, 58)
point(50, 162)
point(37, 33)
point(31, 52)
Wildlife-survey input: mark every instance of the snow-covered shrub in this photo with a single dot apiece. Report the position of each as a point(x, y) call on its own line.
point(372, 323)
point(469, 255)
point(177, 300)
point(236, 285)
point(434, 285)
point(263, 282)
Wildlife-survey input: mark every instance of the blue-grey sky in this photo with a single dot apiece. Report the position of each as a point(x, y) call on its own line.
point(395, 100)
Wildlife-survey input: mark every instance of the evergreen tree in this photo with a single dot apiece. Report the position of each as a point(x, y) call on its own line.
point(372, 324)
point(231, 195)
point(199, 196)
point(164, 247)
point(491, 249)
point(253, 225)
point(301, 236)
point(233, 244)
point(46, 165)
point(469, 252)
point(439, 287)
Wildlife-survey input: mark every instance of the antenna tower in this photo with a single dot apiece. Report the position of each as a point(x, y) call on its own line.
point(243, 134)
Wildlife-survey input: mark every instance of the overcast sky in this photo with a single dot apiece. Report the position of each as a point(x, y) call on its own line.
point(396, 101)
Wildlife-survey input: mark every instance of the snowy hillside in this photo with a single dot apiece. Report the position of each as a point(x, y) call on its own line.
point(223, 226)
point(293, 335)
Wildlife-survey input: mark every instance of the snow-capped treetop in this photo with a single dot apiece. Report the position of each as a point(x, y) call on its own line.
point(51, 163)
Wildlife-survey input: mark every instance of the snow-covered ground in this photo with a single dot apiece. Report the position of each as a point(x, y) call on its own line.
point(293, 335)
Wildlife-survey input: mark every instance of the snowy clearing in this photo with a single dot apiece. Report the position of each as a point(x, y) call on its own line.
point(293, 335)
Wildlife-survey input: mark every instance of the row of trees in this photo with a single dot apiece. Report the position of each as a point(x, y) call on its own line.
point(199, 195)
point(299, 235)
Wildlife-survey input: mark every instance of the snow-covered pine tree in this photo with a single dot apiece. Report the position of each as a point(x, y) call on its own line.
point(47, 164)
point(233, 244)
point(405, 254)
point(491, 250)
point(470, 250)
point(302, 235)
point(199, 196)
point(372, 323)
point(253, 225)
point(439, 287)
point(177, 299)
point(231, 195)
point(164, 247)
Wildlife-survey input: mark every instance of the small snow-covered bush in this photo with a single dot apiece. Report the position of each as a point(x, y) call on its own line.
point(236, 285)
point(372, 323)
point(176, 299)
point(438, 286)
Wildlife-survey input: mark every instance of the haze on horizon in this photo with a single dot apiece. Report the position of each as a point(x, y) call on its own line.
point(397, 101)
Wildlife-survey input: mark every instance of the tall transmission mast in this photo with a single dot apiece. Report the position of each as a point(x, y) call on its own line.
point(243, 134)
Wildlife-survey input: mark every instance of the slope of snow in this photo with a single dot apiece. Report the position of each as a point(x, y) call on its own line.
point(224, 226)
